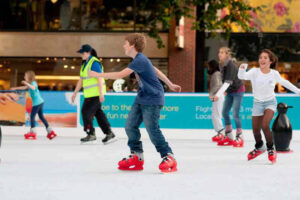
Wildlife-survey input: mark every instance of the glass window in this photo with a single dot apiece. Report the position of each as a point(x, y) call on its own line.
point(246, 47)
point(59, 74)
point(75, 15)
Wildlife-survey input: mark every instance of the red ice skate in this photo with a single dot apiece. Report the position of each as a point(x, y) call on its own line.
point(51, 135)
point(132, 163)
point(272, 156)
point(30, 136)
point(226, 141)
point(239, 142)
point(217, 137)
point(168, 164)
point(256, 152)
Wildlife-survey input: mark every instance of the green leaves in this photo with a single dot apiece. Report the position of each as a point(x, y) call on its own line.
point(208, 18)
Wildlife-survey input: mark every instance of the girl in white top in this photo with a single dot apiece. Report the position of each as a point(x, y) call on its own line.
point(263, 80)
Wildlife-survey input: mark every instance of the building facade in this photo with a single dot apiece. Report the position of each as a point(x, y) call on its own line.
point(44, 35)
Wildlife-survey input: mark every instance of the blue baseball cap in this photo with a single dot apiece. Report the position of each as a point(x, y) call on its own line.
point(85, 48)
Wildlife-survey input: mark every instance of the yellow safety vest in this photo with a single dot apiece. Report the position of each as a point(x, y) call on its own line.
point(90, 84)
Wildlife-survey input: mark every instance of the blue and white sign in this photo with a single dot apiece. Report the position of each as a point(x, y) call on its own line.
point(187, 110)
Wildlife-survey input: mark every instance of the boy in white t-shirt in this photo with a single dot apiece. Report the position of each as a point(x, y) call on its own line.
point(263, 80)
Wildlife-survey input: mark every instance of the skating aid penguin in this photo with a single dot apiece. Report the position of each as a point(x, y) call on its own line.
point(282, 129)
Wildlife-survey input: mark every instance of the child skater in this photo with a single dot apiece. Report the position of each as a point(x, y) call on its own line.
point(217, 106)
point(37, 105)
point(263, 80)
point(235, 89)
point(146, 108)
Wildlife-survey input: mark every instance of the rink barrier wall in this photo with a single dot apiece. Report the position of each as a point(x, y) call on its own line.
point(181, 110)
point(186, 110)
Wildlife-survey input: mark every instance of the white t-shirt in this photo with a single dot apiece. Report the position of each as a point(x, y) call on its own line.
point(263, 85)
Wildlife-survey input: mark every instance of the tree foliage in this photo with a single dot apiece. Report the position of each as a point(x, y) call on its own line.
point(235, 12)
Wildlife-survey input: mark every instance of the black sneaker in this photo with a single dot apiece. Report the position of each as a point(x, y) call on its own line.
point(88, 138)
point(109, 138)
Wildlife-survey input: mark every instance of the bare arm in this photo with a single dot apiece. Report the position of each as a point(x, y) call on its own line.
point(100, 84)
point(165, 79)
point(77, 89)
point(112, 75)
point(28, 85)
point(19, 88)
point(78, 86)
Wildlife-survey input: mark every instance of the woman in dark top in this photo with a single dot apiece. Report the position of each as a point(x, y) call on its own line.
point(234, 90)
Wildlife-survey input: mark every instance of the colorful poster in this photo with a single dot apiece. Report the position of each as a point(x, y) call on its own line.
point(277, 15)
point(58, 109)
point(12, 113)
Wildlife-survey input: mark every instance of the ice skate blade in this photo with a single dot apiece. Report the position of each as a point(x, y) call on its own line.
point(30, 138)
point(166, 171)
point(256, 156)
point(110, 141)
point(131, 169)
point(89, 142)
point(238, 146)
point(225, 145)
point(273, 162)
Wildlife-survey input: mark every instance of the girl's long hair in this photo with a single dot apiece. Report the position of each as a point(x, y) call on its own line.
point(94, 53)
point(213, 66)
point(273, 58)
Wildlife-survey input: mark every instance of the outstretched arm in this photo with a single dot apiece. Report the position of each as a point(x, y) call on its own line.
point(19, 88)
point(112, 75)
point(164, 78)
point(287, 84)
point(28, 85)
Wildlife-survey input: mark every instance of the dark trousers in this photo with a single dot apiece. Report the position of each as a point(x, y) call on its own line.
point(37, 110)
point(92, 108)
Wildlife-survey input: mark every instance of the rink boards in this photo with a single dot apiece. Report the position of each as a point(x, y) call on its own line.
point(181, 111)
point(187, 110)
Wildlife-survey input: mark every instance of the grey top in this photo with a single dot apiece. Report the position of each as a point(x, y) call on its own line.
point(229, 72)
point(215, 83)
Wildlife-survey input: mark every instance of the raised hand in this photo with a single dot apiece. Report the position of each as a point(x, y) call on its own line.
point(244, 66)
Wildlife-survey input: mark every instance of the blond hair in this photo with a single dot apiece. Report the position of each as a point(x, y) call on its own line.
point(227, 51)
point(138, 40)
point(31, 75)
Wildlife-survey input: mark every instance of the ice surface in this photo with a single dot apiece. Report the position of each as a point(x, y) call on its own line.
point(63, 169)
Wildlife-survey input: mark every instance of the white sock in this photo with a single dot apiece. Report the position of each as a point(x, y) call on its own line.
point(33, 130)
point(139, 155)
point(229, 135)
point(49, 129)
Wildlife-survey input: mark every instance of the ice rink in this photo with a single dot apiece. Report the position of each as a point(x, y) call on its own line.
point(63, 169)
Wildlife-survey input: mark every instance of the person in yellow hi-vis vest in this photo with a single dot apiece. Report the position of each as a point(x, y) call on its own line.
point(94, 90)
